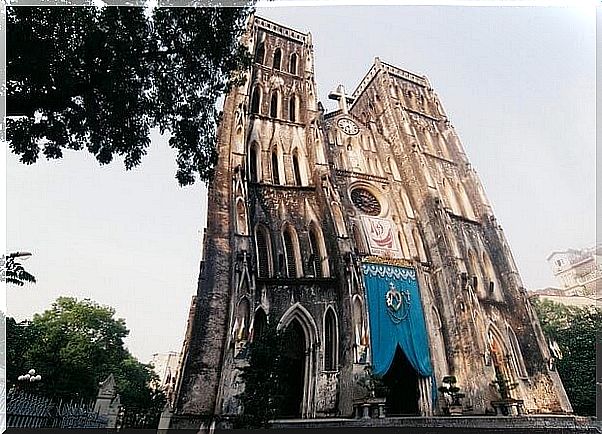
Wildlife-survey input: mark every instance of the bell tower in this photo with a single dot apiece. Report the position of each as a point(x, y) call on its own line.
point(365, 235)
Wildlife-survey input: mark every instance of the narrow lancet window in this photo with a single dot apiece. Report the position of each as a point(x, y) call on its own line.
point(292, 108)
point(263, 253)
point(289, 249)
point(275, 171)
point(296, 171)
point(277, 58)
point(292, 66)
point(256, 100)
point(330, 341)
point(274, 105)
point(260, 53)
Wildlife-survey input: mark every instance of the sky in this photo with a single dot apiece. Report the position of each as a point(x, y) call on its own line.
point(518, 84)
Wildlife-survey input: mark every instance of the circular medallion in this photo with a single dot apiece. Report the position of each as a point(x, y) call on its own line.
point(398, 303)
point(348, 126)
point(365, 201)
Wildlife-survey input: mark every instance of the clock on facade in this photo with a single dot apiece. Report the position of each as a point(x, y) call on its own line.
point(348, 126)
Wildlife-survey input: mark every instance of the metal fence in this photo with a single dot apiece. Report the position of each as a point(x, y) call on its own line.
point(135, 418)
point(25, 410)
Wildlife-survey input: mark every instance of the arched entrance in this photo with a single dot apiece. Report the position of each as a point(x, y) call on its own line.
point(293, 371)
point(299, 358)
point(401, 381)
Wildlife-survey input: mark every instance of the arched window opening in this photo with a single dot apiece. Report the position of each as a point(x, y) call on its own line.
point(517, 355)
point(465, 201)
point(296, 171)
point(451, 197)
point(499, 356)
point(256, 100)
point(292, 109)
point(243, 316)
point(289, 251)
point(277, 58)
point(406, 204)
point(275, 171)
point(360, 332)
point(253, 166)
point(262, 242)
point(274, 105)
point(241, 217)
point(491, 280)
point(315, 258)
point(260, 324)
point(260, 53)
point(238, 140)
point(474, 268)
point(292, 66)
point(330, 341)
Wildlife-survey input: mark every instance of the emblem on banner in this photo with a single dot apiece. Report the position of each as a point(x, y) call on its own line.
point(398, 303)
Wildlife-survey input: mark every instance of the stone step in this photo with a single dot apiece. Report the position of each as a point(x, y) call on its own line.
point(448, 425)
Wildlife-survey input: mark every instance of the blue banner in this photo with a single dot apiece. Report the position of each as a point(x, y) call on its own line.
point(396, 317)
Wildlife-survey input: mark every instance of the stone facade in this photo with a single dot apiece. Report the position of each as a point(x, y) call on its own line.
point(300, 198)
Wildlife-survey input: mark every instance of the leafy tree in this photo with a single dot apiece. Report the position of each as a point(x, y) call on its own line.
point(263, 394)
point(576, 330)
point(12, 271)
point(75, 345)
point(101, 78)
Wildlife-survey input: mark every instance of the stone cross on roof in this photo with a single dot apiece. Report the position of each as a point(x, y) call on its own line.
point(341, 97)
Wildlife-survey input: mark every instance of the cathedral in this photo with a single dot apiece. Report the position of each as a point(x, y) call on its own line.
point(366, 235)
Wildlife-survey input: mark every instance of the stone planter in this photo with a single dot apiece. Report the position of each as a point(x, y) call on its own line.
point(455, 410)
point(369, 408)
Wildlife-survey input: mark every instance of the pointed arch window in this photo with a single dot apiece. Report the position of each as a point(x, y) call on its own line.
point(330, 341)
point(315, 257)
point(256, 100)
point(489, 273)
point(253, 166)
point(277, 58)
point(292, 65)
point(242, 320)
point(260, 324)
point(517, 355)
point(289, 251)
point(296, 170)
point(241, 217)
point(260, 53)
point(275, 171)
point(292, 108)
point(262, 245)
point(274, 103)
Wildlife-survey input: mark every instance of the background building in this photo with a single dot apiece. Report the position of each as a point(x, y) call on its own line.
point(579, 275)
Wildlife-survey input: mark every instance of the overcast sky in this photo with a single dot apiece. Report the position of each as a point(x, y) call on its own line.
point(517, 83)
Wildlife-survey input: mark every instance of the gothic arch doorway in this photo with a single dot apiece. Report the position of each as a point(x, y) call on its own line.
point(299, 354)
point(401, 381)
point(293, 371)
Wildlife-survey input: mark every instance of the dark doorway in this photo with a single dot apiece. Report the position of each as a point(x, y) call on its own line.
point(292, 370)
point(402, 383)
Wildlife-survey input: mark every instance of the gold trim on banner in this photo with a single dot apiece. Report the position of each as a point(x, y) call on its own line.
point(388, 261)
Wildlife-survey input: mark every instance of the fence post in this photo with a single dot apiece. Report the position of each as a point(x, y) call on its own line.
point(108, 401)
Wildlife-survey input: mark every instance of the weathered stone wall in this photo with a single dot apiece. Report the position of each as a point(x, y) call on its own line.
point(407, 153)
